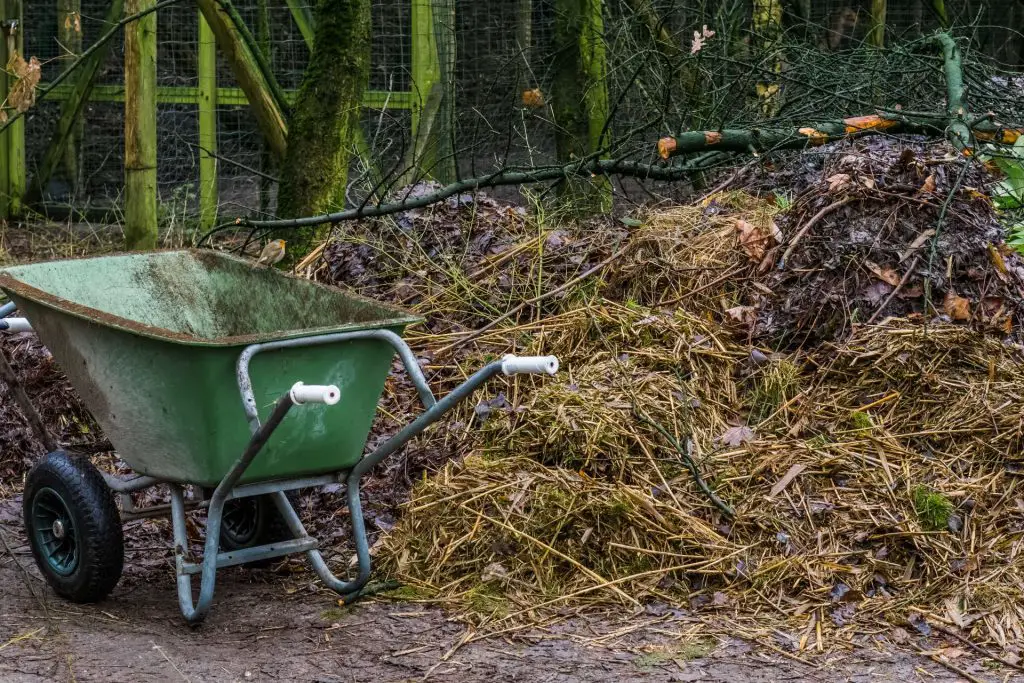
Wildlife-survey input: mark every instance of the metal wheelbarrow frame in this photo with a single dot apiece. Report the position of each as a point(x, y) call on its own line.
point(229, 489)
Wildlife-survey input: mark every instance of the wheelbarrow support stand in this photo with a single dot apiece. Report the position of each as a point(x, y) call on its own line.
point(261, 433)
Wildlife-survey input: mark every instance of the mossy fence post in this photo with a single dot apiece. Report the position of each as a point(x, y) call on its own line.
point(12, 140)
point(140, 220)
point(433, 60)
point(69, 34)
point(207, 78)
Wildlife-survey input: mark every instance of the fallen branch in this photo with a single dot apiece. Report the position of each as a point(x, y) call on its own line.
point(592, 167)
point(810, 224)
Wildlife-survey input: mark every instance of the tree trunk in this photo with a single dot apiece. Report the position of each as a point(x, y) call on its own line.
point(323, 127)
point(580, 99)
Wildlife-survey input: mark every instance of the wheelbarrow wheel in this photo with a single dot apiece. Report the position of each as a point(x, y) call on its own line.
point(73, 527)
point(252, 521)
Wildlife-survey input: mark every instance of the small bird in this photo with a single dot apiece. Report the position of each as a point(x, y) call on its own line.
point(271, 254)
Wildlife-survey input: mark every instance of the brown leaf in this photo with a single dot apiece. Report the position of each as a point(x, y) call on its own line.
point(956, 307)
point(712, 137)
point(929, 185)
point(3, 117)
point(887, 275)
point(736, 436)
point(868, 182)
point(776, 233)
point(533, 98)
point(23, 93)
point(745, 315)
point(917, 243)
point(787, 478)
point(838, 181)
point(751, 239)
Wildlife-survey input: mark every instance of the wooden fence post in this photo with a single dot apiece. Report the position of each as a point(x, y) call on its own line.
point(12, 141)
point(433, 80)
point(140, 220)
point(207, 78)
point(69, 34)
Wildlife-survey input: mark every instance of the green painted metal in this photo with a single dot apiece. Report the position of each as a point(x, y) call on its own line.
point(51, 513)
point(150, 342)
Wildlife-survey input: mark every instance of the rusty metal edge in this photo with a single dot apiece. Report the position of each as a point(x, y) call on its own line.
point(9, 284)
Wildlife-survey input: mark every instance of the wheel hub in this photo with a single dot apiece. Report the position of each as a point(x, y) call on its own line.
point(58, 529)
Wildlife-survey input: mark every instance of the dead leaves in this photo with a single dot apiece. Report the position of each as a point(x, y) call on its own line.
point(23, 93)
point(533, 99)
point(886, 275)
point(956, 307)
point(73, 21)
point(743, 315)
point(737, 436)
point(755, 240)
point(837, 182)
point(928, 187)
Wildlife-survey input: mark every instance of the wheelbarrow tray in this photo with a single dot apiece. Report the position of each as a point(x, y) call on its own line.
point(150, 342)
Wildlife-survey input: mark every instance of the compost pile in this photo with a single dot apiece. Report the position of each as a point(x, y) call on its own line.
point(727, 434)
point(51, 394)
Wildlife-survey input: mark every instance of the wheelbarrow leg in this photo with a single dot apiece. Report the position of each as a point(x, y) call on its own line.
point(194, 613)
point(316, 559)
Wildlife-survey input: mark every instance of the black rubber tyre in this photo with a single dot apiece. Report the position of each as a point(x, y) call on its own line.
point(252, 521)
point(73, 527)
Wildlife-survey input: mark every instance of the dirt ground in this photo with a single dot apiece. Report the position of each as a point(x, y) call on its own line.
point(271, 626)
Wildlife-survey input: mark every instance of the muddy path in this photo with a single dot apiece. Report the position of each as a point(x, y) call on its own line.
point(268, 626)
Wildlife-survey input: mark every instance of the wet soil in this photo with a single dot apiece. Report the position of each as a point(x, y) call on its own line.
point(268, 626)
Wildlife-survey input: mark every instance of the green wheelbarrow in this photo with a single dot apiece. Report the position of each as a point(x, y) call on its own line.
point(161, 346)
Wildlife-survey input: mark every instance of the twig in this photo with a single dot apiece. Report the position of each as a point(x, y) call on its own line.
point(810, 224)
point(977, 648)
point(102, 40)
point(894, 292)
point(728, 181)
point(690, 464)
point(28, 579)
point(589, 572)
point(537, 299)
point(723, 278)
point(21, 398)
point(948, 664)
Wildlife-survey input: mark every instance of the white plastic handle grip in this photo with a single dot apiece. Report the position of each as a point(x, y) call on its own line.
point(512, 365)
point(17, 325)
point(315, 393)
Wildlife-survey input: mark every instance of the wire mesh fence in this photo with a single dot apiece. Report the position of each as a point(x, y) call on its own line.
point(812, 59)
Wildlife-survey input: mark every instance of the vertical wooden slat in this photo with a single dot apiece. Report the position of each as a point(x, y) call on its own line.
point(12, 142)
point(207, 78)
point(425, 67)
point(140, 127)
point(433, 65)
point(71, 115)
point(879, 9)
point(69, 34)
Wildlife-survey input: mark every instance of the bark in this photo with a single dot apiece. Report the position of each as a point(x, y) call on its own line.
point(580, 99)
point(69, 33)
point(323, 128)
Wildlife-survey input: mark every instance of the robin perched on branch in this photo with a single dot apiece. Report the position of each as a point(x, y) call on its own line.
point(271, 254)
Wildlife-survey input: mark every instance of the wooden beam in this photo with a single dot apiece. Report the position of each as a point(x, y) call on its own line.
point(244, 67)
point(66, 132)
point(140, 221)
point(303, 19)
point(12, 141)
point(433, 60)
point(227, 97)
point(207, 78)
